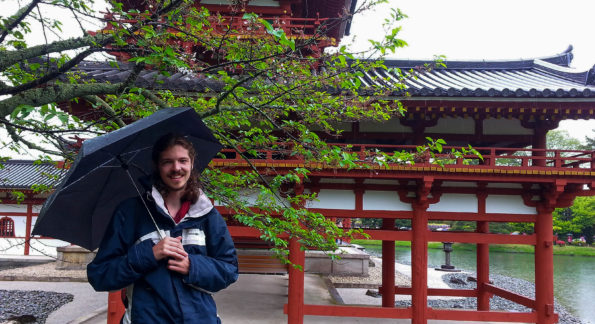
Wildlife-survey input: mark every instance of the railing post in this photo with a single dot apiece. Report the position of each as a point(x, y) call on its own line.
point(115, 308)
point(388, 266)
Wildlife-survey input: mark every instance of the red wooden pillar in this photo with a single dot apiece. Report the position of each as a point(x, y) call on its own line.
point(483, 269)
point(115, 308)
point(419, 263)
point(295, 302)
point(544, 266)
point(28, 228)
point(388, 266)
point(539, 142)
point(483, 256)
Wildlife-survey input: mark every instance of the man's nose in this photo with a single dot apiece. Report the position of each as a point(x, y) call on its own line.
point(177, 166)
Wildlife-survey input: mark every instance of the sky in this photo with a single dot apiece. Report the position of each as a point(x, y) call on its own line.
point(478, 30)
point(490, 30)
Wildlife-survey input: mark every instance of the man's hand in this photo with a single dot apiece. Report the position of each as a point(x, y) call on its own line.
point(172, 249)
point(181, 266)
point(169, 247)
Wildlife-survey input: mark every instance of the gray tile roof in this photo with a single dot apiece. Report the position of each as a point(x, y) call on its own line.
point(19, 174)
point(548, 77)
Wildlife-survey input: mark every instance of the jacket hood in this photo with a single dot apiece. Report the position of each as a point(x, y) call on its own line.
point(200, 208)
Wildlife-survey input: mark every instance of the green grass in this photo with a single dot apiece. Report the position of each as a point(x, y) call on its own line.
point(506, 248)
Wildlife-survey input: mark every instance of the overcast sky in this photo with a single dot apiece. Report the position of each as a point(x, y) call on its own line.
point(491, 30)
point(481, 29)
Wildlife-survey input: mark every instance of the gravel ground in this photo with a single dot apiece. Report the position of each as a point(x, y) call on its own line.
point(30, 306)
point(519, 286)
point(374, 277)
point(42, 271)
point(34, 305)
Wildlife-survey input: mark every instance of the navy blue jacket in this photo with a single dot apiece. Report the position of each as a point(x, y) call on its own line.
point(157, 295)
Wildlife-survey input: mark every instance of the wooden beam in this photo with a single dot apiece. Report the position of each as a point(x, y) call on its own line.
point(484, 316)
point(355, 311)
point(514, 297)
point(439, 292)
point(470, 237)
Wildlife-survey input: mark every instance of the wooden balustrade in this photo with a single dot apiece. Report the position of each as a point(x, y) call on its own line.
point(491, 157)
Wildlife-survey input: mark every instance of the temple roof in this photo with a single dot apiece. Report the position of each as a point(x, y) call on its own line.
point(19, 174)
point(547, 77)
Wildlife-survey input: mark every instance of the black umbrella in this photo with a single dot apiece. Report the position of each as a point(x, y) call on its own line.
point(107, 170)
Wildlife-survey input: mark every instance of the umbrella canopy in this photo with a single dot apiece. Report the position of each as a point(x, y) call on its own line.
point(103, 172)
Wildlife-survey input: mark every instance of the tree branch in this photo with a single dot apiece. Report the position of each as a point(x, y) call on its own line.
point(12, 57)
point(19, 139)
point(17, 18)
point(96, 100)
point(55, 93)
point(154, 98)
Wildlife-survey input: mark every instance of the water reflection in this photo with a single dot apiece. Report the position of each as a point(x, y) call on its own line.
point(574, 276)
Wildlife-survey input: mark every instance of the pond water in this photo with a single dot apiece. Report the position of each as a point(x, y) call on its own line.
point(574, 276)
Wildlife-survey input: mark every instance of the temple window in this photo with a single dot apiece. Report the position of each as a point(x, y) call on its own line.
point(6, 227)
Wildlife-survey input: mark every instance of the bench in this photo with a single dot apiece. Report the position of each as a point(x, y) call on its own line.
point(260, 264)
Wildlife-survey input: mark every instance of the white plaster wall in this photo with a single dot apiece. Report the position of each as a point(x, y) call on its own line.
point(508, 205)
point(46, 246)
point(36, 208)
point(389, 126)
point(13, 208)
point(464, 203)
point(12, 246)
point(335, 199)
point(384, 200)
point(451, 125)
point(503, 126)
point(20, 225)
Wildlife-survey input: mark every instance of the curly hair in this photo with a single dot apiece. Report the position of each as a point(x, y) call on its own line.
point(192, 190)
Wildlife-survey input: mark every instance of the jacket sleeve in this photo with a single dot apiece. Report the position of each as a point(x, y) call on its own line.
point(219, 268)
point(119, 261)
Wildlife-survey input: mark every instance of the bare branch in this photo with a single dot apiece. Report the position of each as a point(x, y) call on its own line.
point(19, 139)
point(18, 18)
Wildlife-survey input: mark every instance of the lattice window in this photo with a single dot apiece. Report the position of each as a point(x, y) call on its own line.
point(6, 227)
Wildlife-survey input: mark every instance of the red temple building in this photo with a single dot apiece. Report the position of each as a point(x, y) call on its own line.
point(504, 109)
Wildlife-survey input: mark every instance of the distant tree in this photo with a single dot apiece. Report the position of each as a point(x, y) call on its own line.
point(579, 219)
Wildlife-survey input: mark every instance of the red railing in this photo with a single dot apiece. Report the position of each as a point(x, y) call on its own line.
point(491, 157)
point(290, 25)
point(237, 24)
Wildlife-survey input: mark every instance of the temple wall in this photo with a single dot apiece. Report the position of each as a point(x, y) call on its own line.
point(13, 208)
point(384, 200)
point(334, 199)
point(16, 246)
point(465, 203)
point(503, 126)
point(508, 205)
point(390, 126)
point(450, 125)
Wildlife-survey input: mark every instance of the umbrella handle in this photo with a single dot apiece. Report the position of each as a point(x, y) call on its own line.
point(161, 235)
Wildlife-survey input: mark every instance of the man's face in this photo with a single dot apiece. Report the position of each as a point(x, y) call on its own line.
point(174, 167)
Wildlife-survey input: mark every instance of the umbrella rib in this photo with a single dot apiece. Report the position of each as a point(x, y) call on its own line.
point(161, 237)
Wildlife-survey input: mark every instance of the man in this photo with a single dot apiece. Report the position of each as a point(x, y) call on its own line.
point(167, 280)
